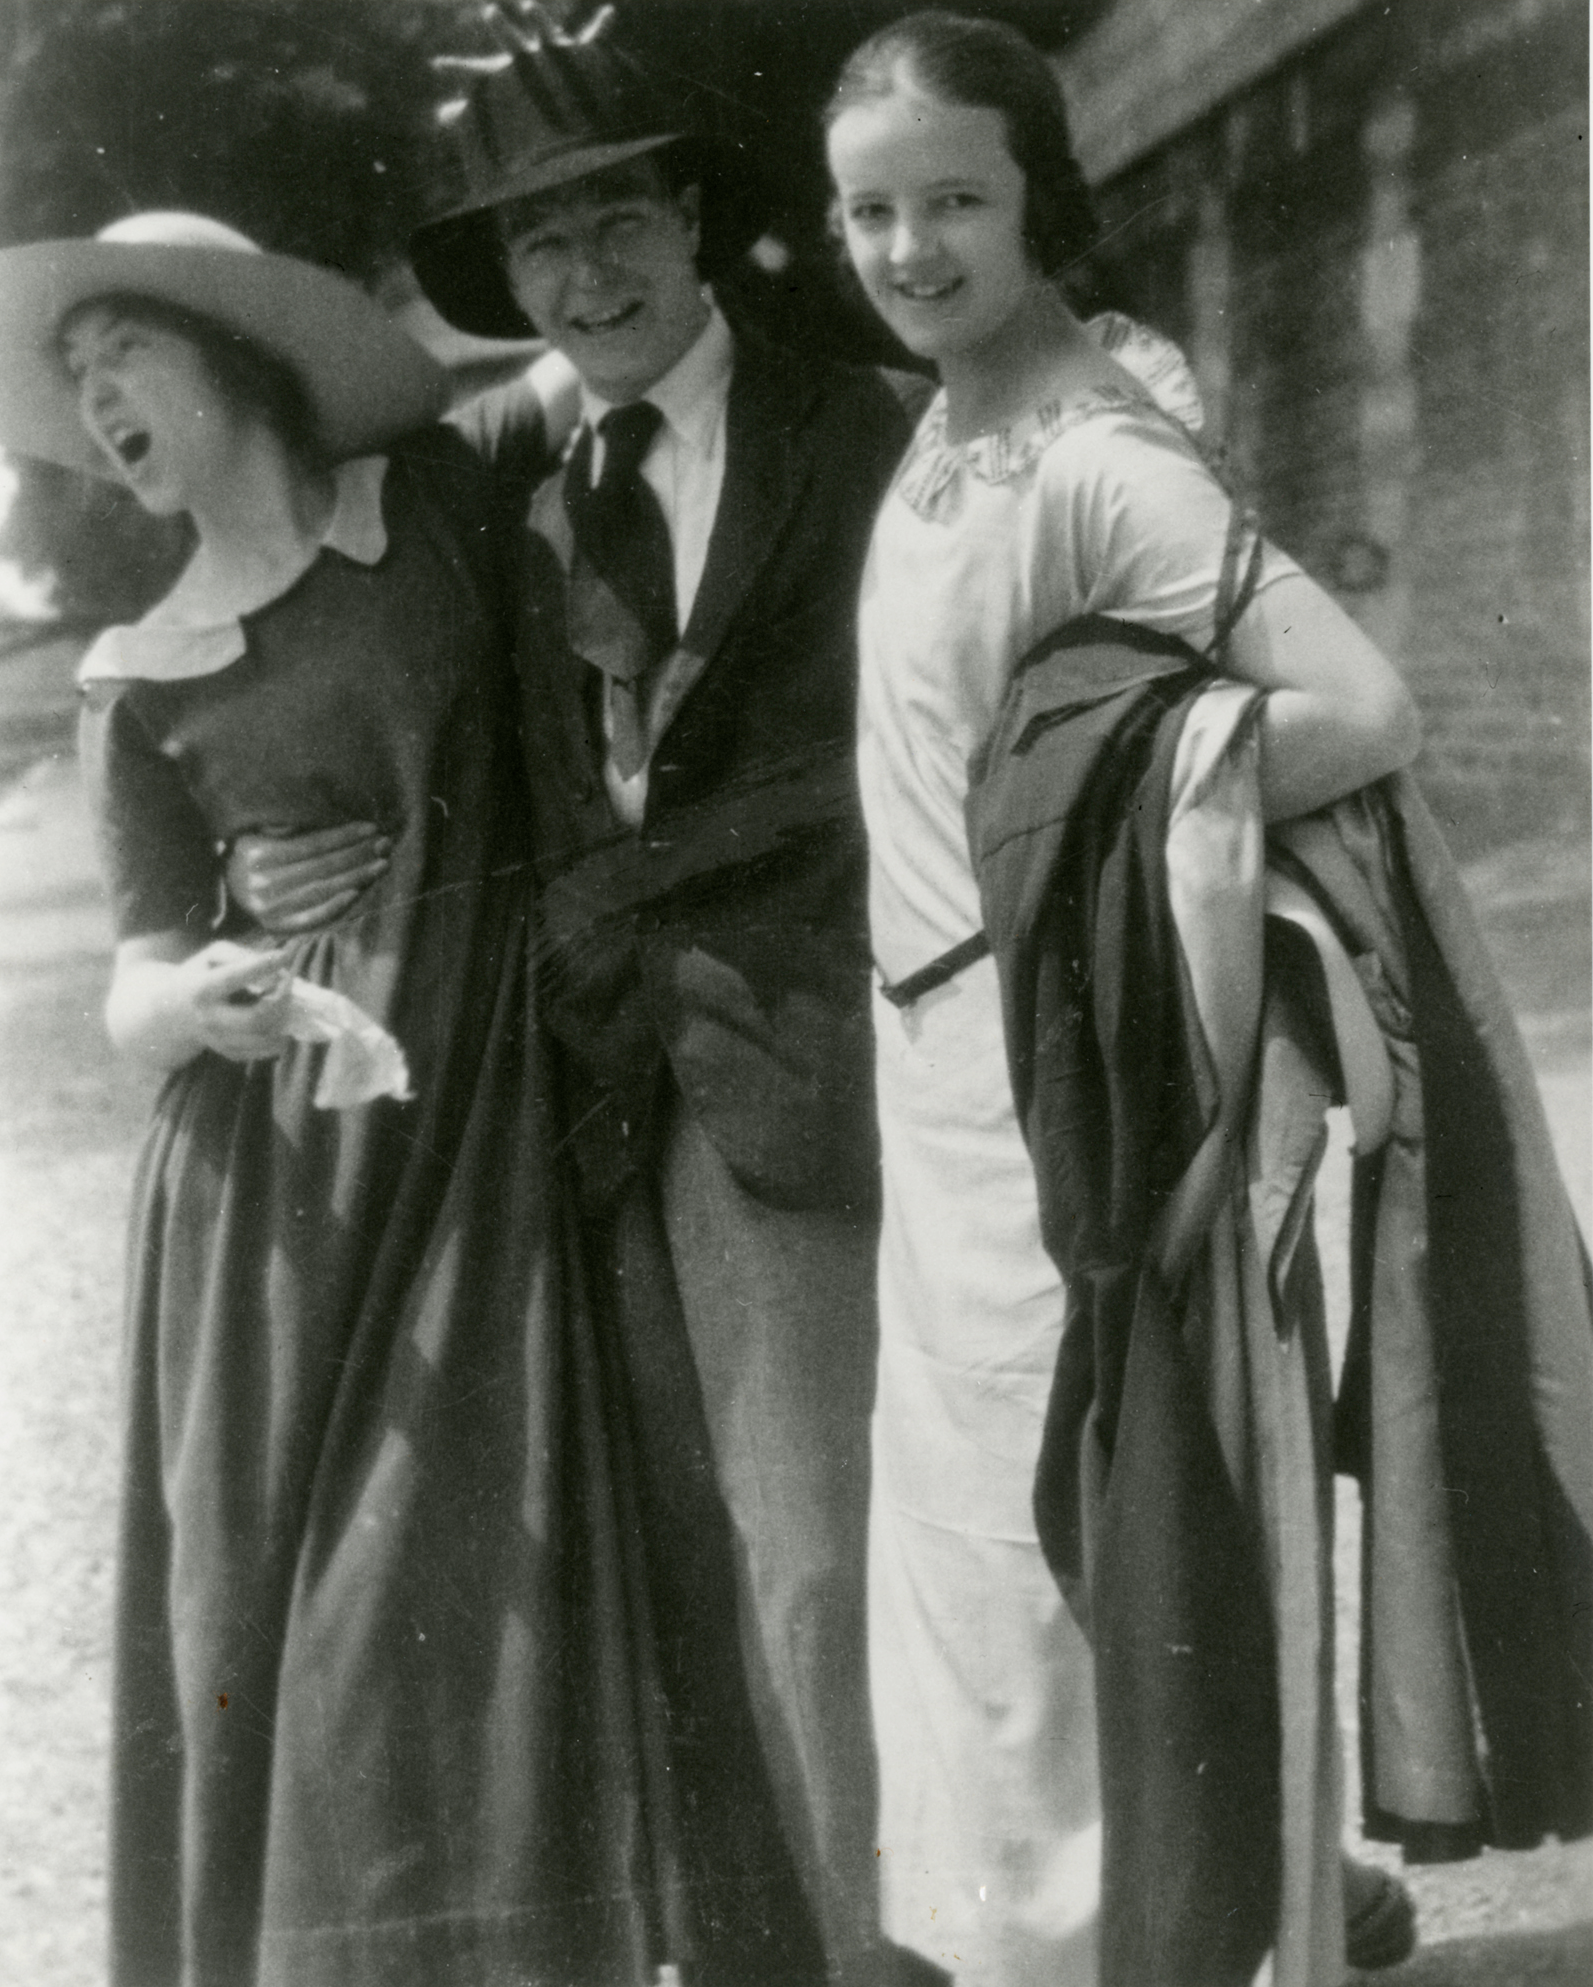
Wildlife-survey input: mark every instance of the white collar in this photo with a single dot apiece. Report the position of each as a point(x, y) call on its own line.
point(691, 396)
point(195, 629)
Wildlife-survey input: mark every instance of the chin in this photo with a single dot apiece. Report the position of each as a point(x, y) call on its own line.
point(924, 344)
point(924, 340)
point(157, 503)
point(617, 384)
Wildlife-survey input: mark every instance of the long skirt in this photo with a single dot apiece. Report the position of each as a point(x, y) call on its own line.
point(386, 1709)
point(982, 1684)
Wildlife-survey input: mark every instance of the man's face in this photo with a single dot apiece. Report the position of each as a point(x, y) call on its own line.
point(607, 272)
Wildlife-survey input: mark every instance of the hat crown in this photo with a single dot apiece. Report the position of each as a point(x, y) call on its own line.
point(557, 100)
point(172, 229)
point(550, 111)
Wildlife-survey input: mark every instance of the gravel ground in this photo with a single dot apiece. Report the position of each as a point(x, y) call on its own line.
point(71, 1119)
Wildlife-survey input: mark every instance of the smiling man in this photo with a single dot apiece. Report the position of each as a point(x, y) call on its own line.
point(605, 267)
point(685, 589)
point(688, 588)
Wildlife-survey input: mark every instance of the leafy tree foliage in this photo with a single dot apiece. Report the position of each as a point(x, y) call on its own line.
point(306, 123)
point(309, 124)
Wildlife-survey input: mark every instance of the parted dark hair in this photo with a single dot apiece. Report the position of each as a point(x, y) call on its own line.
point(988, 65)
point(251, 377)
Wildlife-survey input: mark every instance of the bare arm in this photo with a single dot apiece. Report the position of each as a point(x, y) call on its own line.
point(1338, 714)
point(170, 1000)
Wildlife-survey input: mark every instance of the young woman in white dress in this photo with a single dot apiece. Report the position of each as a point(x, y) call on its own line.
point(1043, 484)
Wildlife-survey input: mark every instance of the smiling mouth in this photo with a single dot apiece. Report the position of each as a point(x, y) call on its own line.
point(928, 293)
point(617, 320)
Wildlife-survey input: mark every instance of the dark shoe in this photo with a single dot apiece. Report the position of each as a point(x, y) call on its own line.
point(1379, 1918)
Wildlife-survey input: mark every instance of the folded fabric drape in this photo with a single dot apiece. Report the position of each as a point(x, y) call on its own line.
point(1172, 1049)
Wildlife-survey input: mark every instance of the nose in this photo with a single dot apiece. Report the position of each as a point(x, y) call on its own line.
point(96, 392)
point(910, 240)
point(596, 263)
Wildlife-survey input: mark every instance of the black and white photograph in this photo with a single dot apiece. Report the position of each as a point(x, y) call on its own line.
point(796, 993)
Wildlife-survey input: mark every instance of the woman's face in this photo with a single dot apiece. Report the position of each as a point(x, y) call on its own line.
point(150, 405)
point(932, 204)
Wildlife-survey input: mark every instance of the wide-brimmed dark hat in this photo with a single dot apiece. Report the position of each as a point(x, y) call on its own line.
point(550, 110)
point(366, 382)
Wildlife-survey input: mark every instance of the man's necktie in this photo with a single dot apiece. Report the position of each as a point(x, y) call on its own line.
point(619, 527)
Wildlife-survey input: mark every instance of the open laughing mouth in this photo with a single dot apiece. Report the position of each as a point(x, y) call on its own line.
point(130, 446)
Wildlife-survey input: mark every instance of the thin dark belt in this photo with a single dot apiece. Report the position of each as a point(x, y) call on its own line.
point(936, 973)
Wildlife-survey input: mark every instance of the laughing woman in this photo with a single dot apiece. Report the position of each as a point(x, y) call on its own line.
point(358, 1735)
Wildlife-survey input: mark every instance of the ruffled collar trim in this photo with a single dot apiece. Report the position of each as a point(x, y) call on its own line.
point(195, 631)
point(1158, 368)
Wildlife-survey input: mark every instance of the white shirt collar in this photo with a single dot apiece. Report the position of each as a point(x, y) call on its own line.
point(196, 628)
point(691, 396)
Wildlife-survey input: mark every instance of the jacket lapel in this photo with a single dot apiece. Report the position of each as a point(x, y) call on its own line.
point(765, 464)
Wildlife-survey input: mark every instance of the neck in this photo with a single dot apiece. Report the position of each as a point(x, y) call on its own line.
point(266, 513)
point(1031, 358)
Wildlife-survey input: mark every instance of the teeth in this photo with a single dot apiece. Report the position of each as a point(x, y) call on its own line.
point(605, 323)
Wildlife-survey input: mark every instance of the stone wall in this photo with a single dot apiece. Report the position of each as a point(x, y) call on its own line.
point(1377, 257)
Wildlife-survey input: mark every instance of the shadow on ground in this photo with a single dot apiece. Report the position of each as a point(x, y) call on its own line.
point(1502, 1959)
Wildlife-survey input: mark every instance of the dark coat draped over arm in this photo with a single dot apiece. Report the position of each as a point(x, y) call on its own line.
point(1161, 1544)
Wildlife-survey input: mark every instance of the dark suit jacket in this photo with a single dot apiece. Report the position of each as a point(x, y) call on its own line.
point(724, 944)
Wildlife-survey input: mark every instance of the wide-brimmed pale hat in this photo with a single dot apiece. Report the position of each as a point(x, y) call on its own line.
point(551, 109)
point(366, 381)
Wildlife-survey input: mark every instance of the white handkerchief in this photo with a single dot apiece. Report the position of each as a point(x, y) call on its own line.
point(362, 1059)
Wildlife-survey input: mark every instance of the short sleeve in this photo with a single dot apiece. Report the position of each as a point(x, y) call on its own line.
point(1149, 523)
point(159, 860)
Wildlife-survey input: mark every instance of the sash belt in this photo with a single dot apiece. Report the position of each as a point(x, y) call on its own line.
point(936, 973)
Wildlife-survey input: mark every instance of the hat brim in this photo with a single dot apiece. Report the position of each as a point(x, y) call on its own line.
point(559, 167)
point(456, 257)
point(366, 380)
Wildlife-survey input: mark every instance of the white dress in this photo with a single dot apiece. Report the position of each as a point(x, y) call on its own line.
point(982, 1684)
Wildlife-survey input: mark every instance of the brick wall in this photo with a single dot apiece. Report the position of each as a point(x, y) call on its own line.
point(1377, 257)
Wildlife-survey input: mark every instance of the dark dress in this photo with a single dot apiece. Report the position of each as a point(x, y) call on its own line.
point(382, 1702)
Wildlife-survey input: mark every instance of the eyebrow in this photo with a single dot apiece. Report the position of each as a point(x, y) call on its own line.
point(102, 317)
point(557, 217)
point(69, 339)
point(934, 186)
